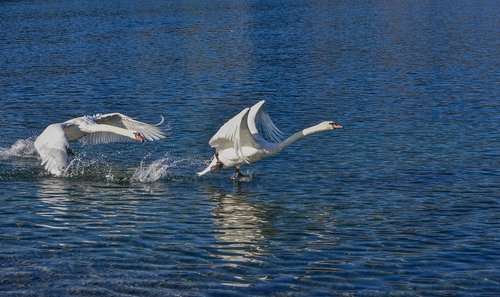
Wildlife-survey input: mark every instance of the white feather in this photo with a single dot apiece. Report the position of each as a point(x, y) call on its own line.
point(51, 145)
point(234, 134)
point(250, 136)
point(53, 142)
point(148, 131)
point(260, 122)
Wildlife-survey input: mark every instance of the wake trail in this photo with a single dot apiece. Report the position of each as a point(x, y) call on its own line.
point(20, 160)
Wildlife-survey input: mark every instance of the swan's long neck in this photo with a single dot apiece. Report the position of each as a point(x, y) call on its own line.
point(307, 131)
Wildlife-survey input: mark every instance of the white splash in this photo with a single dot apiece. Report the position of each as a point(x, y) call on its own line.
point(245, 177)
point(151, 172)
point(80, 166)
point(163, 168)
point(22, 148)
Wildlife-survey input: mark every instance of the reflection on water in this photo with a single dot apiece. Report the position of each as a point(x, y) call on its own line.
point(87, 205)
point(55, 194)
point(402, 203)
point(241, 226)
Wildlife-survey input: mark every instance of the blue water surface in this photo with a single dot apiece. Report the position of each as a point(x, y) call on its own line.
point(404, 201)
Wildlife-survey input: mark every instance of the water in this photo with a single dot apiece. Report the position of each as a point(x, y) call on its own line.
point(403, 201)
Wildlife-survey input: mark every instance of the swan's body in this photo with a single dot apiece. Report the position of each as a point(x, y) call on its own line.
point(251, 136)
point(53, 144)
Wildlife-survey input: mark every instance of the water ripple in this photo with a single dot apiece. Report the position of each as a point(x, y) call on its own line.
point(402, 202)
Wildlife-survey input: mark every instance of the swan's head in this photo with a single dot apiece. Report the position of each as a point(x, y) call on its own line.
point(323, 126)
point(329, 125)
point(138, 136)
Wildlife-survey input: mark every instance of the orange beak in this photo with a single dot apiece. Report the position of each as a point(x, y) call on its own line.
point(139, 137)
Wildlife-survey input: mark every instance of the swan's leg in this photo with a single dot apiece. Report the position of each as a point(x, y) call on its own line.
point(238, 174)
point(218, 165)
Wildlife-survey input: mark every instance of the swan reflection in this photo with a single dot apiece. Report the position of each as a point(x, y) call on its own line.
point(241, 227)
point(67, 199)
point(55, 193)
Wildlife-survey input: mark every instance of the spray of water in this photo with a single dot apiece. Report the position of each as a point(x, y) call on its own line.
point(166, 167)
point(22, 148)
point(21, 159)
point(81, 166)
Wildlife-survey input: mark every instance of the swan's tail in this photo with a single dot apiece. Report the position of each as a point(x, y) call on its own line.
point(214, 165)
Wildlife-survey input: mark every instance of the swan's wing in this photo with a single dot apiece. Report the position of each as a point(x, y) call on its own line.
point(260, 122)
point(148, 131)
point(103, 137)
point(84, 130)
point(234, 134)
point(51, 145)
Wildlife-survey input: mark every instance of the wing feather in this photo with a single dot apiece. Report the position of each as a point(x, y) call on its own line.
point(103, 137)
point(259, 122)
point(148, 131)
point(234, 134)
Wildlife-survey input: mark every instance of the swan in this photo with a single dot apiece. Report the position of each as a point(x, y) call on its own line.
point(53, 144)
point(251, 136)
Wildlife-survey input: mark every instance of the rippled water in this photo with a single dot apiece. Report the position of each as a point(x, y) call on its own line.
point(403, 201)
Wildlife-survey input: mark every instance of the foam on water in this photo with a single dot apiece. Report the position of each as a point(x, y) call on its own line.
point(22, 148)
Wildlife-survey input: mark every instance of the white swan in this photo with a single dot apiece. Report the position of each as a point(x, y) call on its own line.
point(250, 136)
point(52, 145)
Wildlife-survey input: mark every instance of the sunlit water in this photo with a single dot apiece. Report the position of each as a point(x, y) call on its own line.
point(403, 201)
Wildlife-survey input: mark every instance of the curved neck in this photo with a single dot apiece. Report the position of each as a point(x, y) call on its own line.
point(307, 131)
point(296, 136)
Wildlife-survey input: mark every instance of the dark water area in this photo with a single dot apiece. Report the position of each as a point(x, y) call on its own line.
point(404, 201)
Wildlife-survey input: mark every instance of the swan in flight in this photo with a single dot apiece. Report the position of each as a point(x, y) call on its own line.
point(250, 136)
point(53, 144)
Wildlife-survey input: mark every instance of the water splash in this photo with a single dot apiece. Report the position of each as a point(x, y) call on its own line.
point(80, 166)
point(22, 148)
point(165, 167)
point(245, 177)
point(21, 160)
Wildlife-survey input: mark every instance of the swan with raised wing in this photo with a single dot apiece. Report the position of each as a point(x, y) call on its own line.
point(251, 136)
point(53, 144)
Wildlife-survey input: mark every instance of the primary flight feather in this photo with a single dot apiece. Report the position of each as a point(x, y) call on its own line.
point(53, 144)
point(250, 136)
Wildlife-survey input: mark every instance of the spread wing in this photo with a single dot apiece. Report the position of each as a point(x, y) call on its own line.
point(84, 129)
point(148, 131)
point(51, 145)
point(234, 134)
point(103, 137)
point(260, 122)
